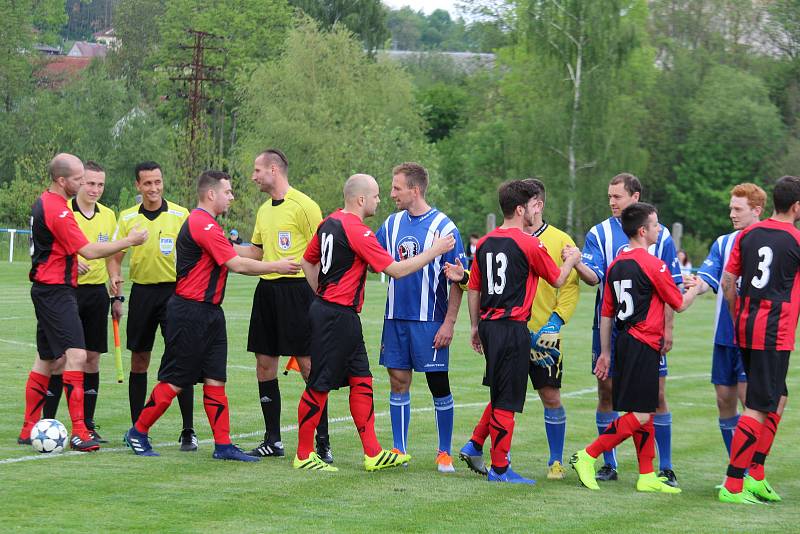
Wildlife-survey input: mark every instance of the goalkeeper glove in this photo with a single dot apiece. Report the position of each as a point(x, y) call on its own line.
point(542, 358)
point(547, 336)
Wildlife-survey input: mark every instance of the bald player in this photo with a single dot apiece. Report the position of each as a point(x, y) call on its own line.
point(56, 240)
point(335, 265)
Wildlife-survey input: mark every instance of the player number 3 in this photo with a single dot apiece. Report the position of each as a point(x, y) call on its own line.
point(499, 262)
point(760, 281)
point(624, 298)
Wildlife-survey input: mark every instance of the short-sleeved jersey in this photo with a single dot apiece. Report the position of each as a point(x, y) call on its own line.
point(284, 227)
point(506, 271)
point(637, 286)
point(605, 241)
point(153, 262)
point(420, 296)
point(548, 299)
point(99, 228)
point(55, 241)
point(343, 246)
point(766, 255)
point(202, 250)
point(711, 272)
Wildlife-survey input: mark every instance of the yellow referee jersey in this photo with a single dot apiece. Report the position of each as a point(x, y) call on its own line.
point(154, 261)
point(99, 228)
point(284, 228)
point(563, 301)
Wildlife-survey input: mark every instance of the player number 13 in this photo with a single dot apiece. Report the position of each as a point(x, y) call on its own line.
point(496, 267)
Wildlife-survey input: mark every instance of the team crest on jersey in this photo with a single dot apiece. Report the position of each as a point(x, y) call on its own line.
point(102, 238)
point(284, 240)
point(165, 245)
point(408, 248)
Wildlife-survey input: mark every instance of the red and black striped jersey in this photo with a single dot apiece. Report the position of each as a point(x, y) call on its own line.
point(201, 252)
point(55, 241)
point(343, 246)
point(506, 270)
point(766, 256)
point(637, 286)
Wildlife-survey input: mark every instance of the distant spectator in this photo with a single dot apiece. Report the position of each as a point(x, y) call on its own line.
point(473, 245)
point(686, 265)
point(234, 238)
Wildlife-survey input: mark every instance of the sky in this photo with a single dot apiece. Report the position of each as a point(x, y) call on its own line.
point(427, 6)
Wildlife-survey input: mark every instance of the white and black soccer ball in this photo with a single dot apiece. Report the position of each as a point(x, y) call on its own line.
point(48, 436)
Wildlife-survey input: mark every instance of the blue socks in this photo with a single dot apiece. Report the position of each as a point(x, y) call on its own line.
point(400, 412)
point(555, 425)
point(727, 427)
point(663, 424)
point(444, 421)
point(604, 419)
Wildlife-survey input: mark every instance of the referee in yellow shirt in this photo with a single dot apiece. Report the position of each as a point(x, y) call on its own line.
point(98, 224)
point(551, 309)
point(279, 324)
point(152, 271)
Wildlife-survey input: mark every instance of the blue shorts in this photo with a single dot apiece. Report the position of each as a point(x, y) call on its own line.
point(662, 362)
point(409, 345)
point(727, 368)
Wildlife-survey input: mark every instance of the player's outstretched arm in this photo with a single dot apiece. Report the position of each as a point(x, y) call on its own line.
point(253, 267)
point(729, 290)
point(688, 298)
point(440, 245)
point(93, 251)
point(604, 361)
point(311, 271)
point(571, 256)
point(474, 305)
point(250, 251)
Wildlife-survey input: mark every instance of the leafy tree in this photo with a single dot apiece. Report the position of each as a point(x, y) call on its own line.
point(334, 112)
point(365, 18)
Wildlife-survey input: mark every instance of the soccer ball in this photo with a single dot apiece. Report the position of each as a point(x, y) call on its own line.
point(48, 436)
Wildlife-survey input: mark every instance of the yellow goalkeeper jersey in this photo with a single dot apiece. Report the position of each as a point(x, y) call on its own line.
point(563, 301)
point(99, 228)
point(284, 227)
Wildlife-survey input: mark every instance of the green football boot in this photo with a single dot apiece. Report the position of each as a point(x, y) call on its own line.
point(761, 489)
point(583, 464)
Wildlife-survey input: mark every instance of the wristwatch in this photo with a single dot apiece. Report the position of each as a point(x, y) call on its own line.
point(120, 298)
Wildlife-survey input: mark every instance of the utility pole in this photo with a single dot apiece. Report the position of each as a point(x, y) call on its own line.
point(195, 76)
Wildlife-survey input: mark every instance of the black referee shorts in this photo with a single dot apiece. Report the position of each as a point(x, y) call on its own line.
point(507, 349)
point(58, 326)
point(147, 309)
point(766, 378)
point(196, 343)
point(337, 346)
point(635, 385)
point(547, 376)
point(93, 305)
point(279, 323)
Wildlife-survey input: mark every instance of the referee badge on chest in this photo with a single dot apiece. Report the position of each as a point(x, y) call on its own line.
point(285, 240)
point(166, 244)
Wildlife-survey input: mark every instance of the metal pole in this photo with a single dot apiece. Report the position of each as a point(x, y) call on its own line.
point(11, 231)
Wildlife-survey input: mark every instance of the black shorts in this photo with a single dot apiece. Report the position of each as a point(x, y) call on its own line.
point(766, 378)
point(93, 305)
point(58, 326)
point(337, 346)
point(507, 349)
point(147, 309)
point(547, 376)
point(279, 323)
point(635, 385)
point(196, 343)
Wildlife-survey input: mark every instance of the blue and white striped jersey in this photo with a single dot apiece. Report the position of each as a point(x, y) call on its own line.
point(606, 240)
point(420, 296)
point(711, 272)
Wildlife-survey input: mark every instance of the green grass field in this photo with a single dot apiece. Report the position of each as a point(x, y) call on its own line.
point(113, 490)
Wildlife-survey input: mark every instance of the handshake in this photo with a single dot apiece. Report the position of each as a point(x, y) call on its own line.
point(544, 343)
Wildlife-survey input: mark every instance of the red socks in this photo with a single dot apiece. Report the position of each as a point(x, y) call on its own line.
point(645, 446)
point(481, 431)
point(501, 427)
point(155, 407)
point(743, 447)
point(35, 392)
point(768, 431)
point(215, 403)
point(615, 433)
point(309, 412)
point(363, 411)
point(73, 387)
